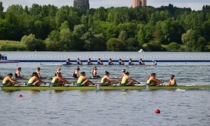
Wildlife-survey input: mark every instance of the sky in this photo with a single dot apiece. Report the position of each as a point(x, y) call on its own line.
point(193, 4)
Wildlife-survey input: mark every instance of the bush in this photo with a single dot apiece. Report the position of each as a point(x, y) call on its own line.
point(12, 48)
point(173, 47)
point(153, 46)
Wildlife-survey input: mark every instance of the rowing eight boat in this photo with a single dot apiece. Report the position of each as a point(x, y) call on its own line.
point(14, 88)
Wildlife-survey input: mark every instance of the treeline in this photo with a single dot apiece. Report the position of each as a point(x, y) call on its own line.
point(50, 28)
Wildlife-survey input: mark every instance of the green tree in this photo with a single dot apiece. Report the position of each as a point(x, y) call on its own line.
point(32, 43)
point(115, 44)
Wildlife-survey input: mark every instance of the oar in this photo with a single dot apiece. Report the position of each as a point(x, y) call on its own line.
point(92, 82)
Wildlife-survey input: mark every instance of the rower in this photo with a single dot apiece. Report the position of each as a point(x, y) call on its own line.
point(94, 73)
point(78, 62)
point(153, 81)
point(123, 73)
point(120, 62)
point(130, 62)
point(127, 81)
point(99, 62)
point(172, 81)
point(141, 62)
point(58, 70)
point(68, 62)
point(38, 72)
point(34, 80)
point(110, 62)
point(105, 80)
point(17, 73)
point(8, 81)
point(154, 63)
point(83, 80)
point(58, 80)
point(76, 73)
point(89, 62)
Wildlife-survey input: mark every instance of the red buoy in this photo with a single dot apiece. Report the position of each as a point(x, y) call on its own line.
point(20, 95)
point(157, 111)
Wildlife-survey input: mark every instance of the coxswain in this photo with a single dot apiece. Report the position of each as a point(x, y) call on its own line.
point(89, 62)
point(153, 81)
point(83, 80)
point(120, 62)
point(172, 81)
point(110, 62)
point(58, 80)
point(34, 80)
point(94, 73)
point(127, 81)
point(17, 73)
point(78, 62)
point(141, 62)
point(99, 62)
point(130, 62)
point(76, 73)
point(68, 62)
point(105, 80)
point(8, 81)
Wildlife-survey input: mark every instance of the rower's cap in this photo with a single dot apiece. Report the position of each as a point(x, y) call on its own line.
point(172, 75)
point(153, 74)
point(106, 72)
point(83, 73)
point(10, 74)
point(123, 70)
point(127, 73)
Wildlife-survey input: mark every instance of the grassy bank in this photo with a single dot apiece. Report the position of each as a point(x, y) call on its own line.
point(7, 45)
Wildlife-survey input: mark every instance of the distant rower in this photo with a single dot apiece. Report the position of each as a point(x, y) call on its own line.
point(38, 72)
point(110, 62)
point(99, 62)
point(17, 73)
point(141, 62)
point(83, 80)
point(68, 62)
point(89, 62)
point(130, 62)
point(76, 73)
point(94, 73)
point(78, 62)
point(120, 62)
point(58, 70)
point(153, 81)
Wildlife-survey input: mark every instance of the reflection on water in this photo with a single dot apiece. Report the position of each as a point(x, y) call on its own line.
point(109, 108)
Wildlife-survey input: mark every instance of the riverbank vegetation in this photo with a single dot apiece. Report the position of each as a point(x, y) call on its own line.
point(49, 28)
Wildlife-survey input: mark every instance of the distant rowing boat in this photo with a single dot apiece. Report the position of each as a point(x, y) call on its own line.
point(8, 61)
point(14, 88)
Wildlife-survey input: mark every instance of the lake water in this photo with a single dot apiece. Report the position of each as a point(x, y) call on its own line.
point(120, 108)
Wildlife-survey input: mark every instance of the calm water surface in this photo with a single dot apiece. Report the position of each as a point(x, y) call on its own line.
point(119, 108)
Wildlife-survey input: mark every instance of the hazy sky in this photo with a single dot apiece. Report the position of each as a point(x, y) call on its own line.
point(194, 4)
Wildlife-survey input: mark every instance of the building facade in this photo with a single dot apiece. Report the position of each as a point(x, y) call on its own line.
point(139, 3)
point(81, 4)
